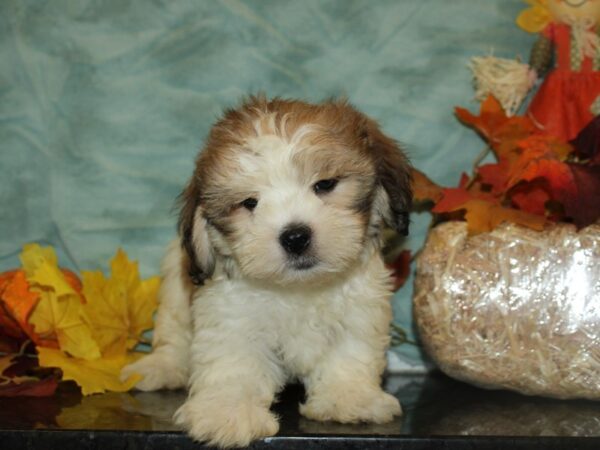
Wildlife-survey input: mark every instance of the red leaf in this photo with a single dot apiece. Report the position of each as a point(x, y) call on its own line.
point(541, 157)
point(531, 175)
point(21, 366)
point(9, 326)
point(400, 269)
point(558, 175)
point(583, 204)
point(452, 199)
point(455, 198)
point(531, 197)
point(587, 142)
point(34, 388)
point(495, 176)
point(464, 180)
point(9, 344)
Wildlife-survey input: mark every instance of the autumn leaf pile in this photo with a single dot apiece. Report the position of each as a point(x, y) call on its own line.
point(536, 178)
point(55, 326)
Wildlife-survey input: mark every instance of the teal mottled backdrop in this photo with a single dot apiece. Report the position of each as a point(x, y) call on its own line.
point(104, 103)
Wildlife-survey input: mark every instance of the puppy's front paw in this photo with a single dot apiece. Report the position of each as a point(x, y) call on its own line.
point(235, 425)
point(159, 372)
point(352, 407)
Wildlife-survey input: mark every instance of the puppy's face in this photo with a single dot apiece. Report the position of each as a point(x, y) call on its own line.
point(289, 192)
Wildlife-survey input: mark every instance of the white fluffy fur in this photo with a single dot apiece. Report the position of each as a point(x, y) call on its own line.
point(258, 323)
point(248, 340)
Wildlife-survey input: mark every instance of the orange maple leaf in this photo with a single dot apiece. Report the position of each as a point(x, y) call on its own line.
point(493, 123)
point(483, 211)
point(482, 216)
point(8, 325)
point(542, 157)
point(423, 188)
point(18, 301)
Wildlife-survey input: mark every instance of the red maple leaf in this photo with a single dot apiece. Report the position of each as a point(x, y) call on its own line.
point(587, 142)
point(400, 269)
point(495, 176)
point(32, 388)
point(454, 198)
point(531, 197)
point(582, 205)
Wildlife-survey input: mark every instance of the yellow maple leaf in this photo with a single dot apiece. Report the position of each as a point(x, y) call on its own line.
point(33, 256)
point(142, 295)
point(59, 311)
point(94, 377)
point(94, 335)
point(120, 307)
point(40, 265)
point(482, 216)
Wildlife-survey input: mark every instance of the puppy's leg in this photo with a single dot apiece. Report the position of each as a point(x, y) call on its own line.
point(345, 385)
point(167, 365)
point(233, 380)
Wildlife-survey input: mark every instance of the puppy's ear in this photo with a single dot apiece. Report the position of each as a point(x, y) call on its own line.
point(394, 176)
point(194, 235)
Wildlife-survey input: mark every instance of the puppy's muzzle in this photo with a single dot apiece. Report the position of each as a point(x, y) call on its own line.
point(295, 239)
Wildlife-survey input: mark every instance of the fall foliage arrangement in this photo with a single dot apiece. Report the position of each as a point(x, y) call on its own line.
point(547, 165)
point(537, 179)
point(56, 326)
point(506, 287)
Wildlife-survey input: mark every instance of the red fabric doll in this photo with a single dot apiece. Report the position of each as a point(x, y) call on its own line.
point(569, 96)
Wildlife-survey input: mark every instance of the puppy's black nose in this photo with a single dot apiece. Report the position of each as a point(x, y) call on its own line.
point(295, 239)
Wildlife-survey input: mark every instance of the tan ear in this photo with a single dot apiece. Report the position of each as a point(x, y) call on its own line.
point(194, 235)
point(394, 176)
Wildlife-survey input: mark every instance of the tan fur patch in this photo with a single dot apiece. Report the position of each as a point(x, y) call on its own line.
point(332, 146)
point(302, 143)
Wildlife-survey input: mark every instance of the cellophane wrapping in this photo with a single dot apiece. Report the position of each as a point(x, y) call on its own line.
point(513, 308)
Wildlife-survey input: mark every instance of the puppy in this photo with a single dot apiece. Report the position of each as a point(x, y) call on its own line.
point(277, 273)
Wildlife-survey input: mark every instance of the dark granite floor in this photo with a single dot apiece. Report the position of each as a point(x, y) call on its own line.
point(438, 413)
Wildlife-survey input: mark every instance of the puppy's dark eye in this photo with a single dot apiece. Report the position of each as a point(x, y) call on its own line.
point(324, 186)
point(249, 203)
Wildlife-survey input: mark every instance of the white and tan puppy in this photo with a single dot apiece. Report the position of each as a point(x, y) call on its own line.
point(277, 273)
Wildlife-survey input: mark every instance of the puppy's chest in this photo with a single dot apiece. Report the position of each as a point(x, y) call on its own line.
point(307, 329)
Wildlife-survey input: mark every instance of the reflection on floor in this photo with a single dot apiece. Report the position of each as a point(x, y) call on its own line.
point(433, 405)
